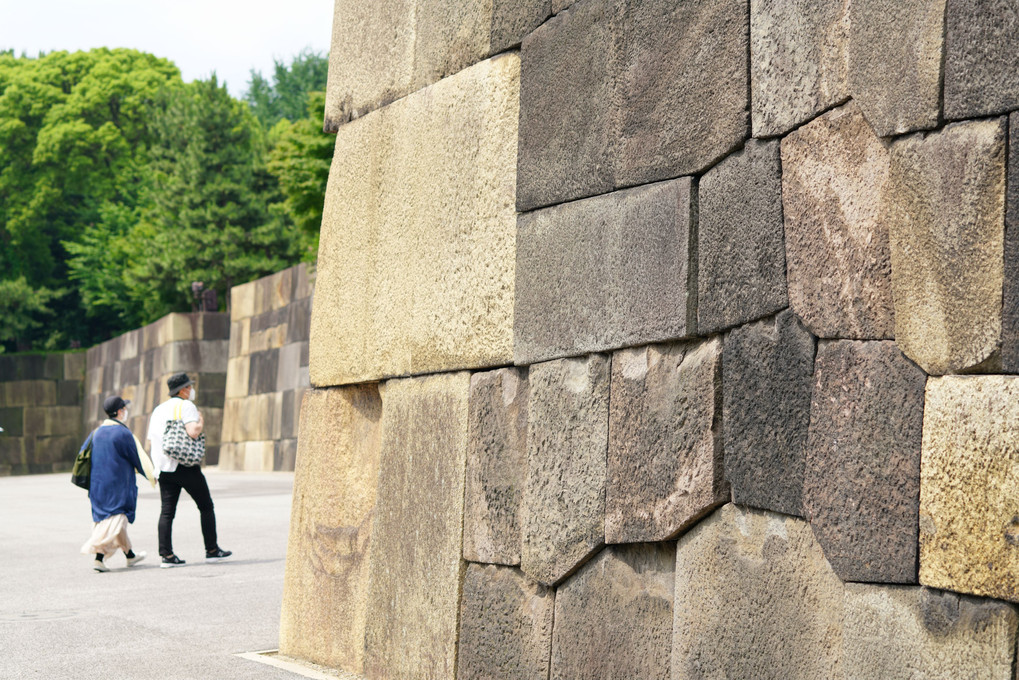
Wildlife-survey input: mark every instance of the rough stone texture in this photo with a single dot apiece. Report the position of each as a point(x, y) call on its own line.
point(798, 61)
point(325, 590)
point(613, 618)
point(755, 598)
point(505, 625)
point(740, 252)
point(895, 52)
point(946, 227)
point(861, 484)
point(415, 571)
point(569, 116)
point(969, 508)
point(513, 20)
point(899, 633)
point(834, 178)
point(496, 466)
point(603, 273)
point(1010, 292)
point(684, 87)
point(415, 268)
point(567, 441)
point(767, 377)
point(665, 466)
point(981, 58)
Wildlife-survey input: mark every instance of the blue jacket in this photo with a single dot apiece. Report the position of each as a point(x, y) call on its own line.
point(113, 490)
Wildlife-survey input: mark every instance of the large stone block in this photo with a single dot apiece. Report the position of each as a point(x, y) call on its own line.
point(767, 377)
point(569, 116)
point(505, 625)
point(603, 273)
point(613, 618)
point(12, 419)
point(740, 249)
point(861, 485)
point(755, 598)
point(981, 58)
point(242, 301)
point(416, 260)
point(901, 633)
point(74, 365)
point(798, 61)
point(969, 509)
point(496, 466)
point(29, 393)
point(44, 421)
point(1010, 291)
point(416, 566)
point(895, 51)
point(567, 442)
point(263, 371)
point(665, 467)
point(325, 589)
point(834, 178)
point(946, 227)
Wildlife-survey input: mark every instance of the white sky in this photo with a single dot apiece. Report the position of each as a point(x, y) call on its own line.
point(200, 36)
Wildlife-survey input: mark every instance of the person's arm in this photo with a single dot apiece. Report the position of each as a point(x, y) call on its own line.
point(194, 423)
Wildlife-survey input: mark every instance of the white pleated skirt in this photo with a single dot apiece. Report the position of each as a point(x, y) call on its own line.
point(107, 536)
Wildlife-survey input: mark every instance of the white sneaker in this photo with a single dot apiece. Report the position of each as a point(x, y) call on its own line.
point(99, 566)
point(138, 557)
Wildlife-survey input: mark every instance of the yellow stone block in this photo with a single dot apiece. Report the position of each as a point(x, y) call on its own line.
point(242, 301)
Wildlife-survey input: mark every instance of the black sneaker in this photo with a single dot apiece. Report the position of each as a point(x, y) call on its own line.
point(217, 555)
point(171, 561)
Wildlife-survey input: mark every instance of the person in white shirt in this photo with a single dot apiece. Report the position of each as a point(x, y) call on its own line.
point(173, 476)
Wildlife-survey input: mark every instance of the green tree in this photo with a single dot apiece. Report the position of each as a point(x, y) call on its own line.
point(287, 96)
point(21, 308)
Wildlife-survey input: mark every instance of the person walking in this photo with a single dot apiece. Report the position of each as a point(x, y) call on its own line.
point(113, 492)
point(173, 477)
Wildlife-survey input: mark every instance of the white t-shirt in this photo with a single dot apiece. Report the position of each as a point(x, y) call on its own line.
point(157, 425)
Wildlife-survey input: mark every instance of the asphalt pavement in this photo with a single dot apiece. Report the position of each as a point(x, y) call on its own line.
point(61, 619)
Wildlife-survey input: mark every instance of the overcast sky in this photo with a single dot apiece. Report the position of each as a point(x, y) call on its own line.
point(200, 36)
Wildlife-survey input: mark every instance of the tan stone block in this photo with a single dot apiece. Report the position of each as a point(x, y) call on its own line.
point(901, 633)
point(46, 421)
point(755, 598)
point(416, 567)
point(304, 281)
point(94, 380)
point(129, 345)
point(213, 425)
point(257, 456)
point(416, 262)
point(29, 393)
point(242, 301)
point(325, 588)
point(74, 365)
point(946, 204)
point(969, 486)
point(232, 416)
point(180, 327)
point(237, 376)
point(281, 288)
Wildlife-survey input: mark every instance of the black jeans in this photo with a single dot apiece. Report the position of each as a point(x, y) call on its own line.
point(193, 481)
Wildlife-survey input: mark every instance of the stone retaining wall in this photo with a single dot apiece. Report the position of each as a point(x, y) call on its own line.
point(664, 340)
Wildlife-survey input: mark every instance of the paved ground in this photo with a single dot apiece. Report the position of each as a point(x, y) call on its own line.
point(60, 619)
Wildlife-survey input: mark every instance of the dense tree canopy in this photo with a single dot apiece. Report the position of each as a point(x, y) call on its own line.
point(120, 185)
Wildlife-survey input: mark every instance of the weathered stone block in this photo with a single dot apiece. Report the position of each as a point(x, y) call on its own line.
point(767, 377)
point(49, 450)
point(603, 273)
point(505, 625)
point(44, 421)
point(416, 262)
point(29, 393)
point(569, 116)
point(665, 467)
point(496, 466)
point(567, 442)
point(684, 87)
point(1010, 292)
point(899, 633)
point(798, 61)
point(740, 249)
point(755, 598)
point(946, 227)
point(981, 58)
point(299, 321)
point(263, 371)
point(835, 176)
point(969, 510)
point(416, 567)
point(895, 52)
point(325, 589)
point(288, 367)
point(284, 456)
point(257, 456)
point(12, 419)
point(242, 301)
point(74, 365)
point(861, 485)
point(613, 618)
point(69, 393)
point(513, 20)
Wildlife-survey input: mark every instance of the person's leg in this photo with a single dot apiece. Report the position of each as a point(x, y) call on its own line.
point(198, 488)
point(169, 494)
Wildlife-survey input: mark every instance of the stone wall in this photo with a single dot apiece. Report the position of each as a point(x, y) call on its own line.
point(137, 364)
point(267, 372)
point(669, 340)
point(40, 411)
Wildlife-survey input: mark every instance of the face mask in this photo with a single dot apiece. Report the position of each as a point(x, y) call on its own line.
point(127, 414)
point(194, 394)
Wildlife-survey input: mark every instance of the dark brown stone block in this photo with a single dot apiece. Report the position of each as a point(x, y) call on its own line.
point(981, 57)
point(665, 467)
point(69, 392)
point(862, 479)
point(740, 247)
point(263, 372)
point(505, 625)
point(215, 326)
point(12, 419)
point(299, 321)
point(766, 381)
point(1010, 307)
point(50, 450)
point(613, 618)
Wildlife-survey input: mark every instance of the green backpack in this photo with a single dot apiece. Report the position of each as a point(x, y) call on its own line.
point(81, 473)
